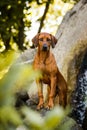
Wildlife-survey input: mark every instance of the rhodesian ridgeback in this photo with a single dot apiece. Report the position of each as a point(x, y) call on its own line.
point(45, 62)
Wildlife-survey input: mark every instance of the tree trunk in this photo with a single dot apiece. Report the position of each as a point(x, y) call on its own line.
point(21, 35)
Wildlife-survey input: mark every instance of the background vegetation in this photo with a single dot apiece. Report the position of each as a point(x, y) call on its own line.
point(22, 19)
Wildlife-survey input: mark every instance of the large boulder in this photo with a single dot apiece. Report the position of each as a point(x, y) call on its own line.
point(72, 42)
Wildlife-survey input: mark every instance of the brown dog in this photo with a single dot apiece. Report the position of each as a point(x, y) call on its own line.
point(45, 61)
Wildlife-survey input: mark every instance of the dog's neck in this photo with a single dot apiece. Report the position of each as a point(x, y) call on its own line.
point(43, 55)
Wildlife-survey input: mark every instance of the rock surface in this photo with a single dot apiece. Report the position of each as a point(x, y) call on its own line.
point(72, 42)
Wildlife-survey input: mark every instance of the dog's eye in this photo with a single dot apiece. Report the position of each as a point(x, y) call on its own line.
point(41, 39)
point(48, 39)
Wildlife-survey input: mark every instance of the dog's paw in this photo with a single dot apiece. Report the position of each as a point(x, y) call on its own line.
point(49, 106)
point(40, 106)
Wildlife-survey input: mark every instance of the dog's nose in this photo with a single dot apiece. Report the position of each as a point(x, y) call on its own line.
point(45, 46)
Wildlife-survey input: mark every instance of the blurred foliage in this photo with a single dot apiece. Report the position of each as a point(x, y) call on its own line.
point(49, 122)
point(13, 21)
point(53, 120)
point(18, 17)
point(70, 1)
point(25, 119)
point(12, 74)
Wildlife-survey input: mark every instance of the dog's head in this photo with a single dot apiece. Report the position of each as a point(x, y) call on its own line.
point(44, 41)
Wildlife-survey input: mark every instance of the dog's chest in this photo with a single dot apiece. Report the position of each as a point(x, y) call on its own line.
point(46, 72)
point(47, 65)
point(45, 68)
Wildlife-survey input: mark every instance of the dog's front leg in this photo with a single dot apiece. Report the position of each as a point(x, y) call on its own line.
point(40, 94)
point(52, 92)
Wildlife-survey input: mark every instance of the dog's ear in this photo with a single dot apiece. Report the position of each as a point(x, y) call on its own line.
point(53, 41)
point(35, 40)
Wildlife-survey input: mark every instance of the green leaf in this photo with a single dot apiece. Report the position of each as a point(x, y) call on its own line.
point(67, 124)
point(33, 118)
point(54, 118)
point(9, 114)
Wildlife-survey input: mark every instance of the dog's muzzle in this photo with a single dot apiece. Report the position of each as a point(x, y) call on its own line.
point(45, 47)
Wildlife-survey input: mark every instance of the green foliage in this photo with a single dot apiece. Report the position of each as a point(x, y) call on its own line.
point(6, 59)
point(17, 16)
point(53, 120)
point(49, 122)
point(26, 119)
point(12, 75)
point(8, 114)
point(13, 21)
point(70, 1)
